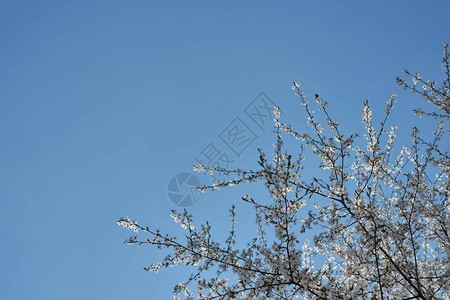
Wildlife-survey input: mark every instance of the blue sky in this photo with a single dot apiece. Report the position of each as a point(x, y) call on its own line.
point(103, 102)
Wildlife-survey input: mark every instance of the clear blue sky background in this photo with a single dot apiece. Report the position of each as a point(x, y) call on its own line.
point(102, 102)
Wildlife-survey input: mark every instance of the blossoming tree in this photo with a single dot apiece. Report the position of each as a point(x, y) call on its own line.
point(379, 216)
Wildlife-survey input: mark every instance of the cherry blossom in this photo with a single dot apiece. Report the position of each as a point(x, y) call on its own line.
point(379, 213)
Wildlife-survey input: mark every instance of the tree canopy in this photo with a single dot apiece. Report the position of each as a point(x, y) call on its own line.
point(379, 215)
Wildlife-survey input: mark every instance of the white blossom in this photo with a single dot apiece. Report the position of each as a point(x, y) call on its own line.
point(379, 216)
